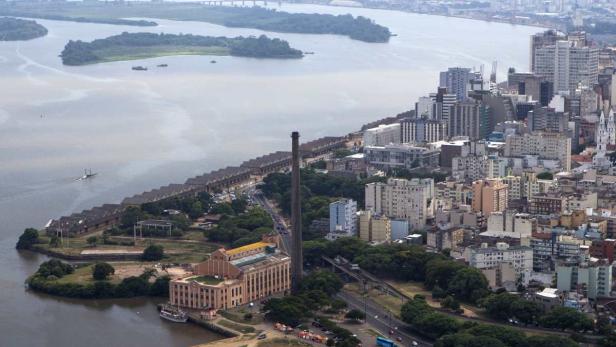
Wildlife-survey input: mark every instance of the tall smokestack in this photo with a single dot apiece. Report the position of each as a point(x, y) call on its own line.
point(296, 215)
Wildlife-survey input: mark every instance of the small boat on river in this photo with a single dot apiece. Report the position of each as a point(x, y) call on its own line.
point(173, 314)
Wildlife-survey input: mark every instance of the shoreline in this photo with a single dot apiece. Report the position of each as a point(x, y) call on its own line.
point(494, 20)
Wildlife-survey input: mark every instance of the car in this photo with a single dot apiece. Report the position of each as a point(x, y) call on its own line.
point(262, 337)
point(414, 343)
point(399, 339)
point(391, 331)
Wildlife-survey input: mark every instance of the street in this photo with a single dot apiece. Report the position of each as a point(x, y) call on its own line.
point(383, 321)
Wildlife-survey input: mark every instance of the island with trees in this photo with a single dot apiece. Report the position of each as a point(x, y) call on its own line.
point(14, 29)
point(130, 46)
point(356, 28)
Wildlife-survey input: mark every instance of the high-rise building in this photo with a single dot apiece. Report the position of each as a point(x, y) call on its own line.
point(567, 63)
point(456, 80)
point(547, 119)
point(342, 219)
point(405, 199)
point(374, 227)
point(543, 39)
point(470, 118)
point(554, 146)
point(418, 130)
point(443, 101)
point(382, 135)
point(489, 195)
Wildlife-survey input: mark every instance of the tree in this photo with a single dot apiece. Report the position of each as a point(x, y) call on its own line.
point(289, 310)
point(466, 340)
point(27, 239)
point(130, 216)
point(153, 253)
point(414, 309)
point(450, 303)
point(92, 240)
point(566, 318)
point(55, 268)
point(239, 205)
point(440, 271)
point(552, 341)
point(436, 324)
point(160, 287)
point(509, 336)
point(101, 271)
point(131, 287)
point(355, 315)
point(469, 284)
point(323, 280)
point(54, 241)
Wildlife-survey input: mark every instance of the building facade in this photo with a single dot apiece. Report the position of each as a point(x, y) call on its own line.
point(412, 200)
point(342, 219)
point(235, 277)
point(489, 195)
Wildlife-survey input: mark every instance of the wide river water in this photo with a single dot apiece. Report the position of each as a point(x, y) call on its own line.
point(141, 130)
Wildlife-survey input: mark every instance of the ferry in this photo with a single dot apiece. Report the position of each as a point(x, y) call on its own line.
point(213, 62)
point(162, 65)
point(87, 175)
point(173, 314)
point(140, 68)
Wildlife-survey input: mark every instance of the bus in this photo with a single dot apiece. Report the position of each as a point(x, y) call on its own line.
point(383, 342)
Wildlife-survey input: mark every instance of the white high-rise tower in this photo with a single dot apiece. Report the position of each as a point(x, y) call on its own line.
point(606, 135)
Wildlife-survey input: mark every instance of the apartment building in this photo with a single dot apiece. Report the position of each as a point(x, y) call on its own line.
point(545, 145)
point(412, 200)
point(484, 257)
point(342, 219)
point(489, 195)
point(374, 228)
point(592, 278)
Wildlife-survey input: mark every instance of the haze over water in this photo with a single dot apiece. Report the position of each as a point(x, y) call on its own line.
point(141, 130)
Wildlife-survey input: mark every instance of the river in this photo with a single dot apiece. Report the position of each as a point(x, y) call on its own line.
point(141, 130)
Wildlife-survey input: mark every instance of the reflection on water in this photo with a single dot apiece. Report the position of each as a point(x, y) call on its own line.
point(140, 130)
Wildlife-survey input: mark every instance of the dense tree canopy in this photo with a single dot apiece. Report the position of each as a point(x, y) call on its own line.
point(153, 253)
point(28, 239)
point(101, 271)
point(13, 29)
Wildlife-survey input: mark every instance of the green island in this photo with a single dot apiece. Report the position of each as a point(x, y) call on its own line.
point(357, 28)
point(130, 46)
point(13, 29)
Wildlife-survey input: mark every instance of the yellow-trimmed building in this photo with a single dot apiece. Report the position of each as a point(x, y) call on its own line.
point(235, 277)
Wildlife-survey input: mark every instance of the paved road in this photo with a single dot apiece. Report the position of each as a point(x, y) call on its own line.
point(382, 320)
point(279, 223)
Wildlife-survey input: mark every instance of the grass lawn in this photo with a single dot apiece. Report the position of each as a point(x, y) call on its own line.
point(237, 315)
point(245, 329)
point(122, 53)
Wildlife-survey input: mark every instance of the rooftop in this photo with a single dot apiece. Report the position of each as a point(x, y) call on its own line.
point(246, 248)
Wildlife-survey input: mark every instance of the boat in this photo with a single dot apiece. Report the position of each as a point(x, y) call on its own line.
point(308, 52)
point(212, 61)
point(173, 314)
point(140, 68)
point(87, 175)
point(162, 65)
